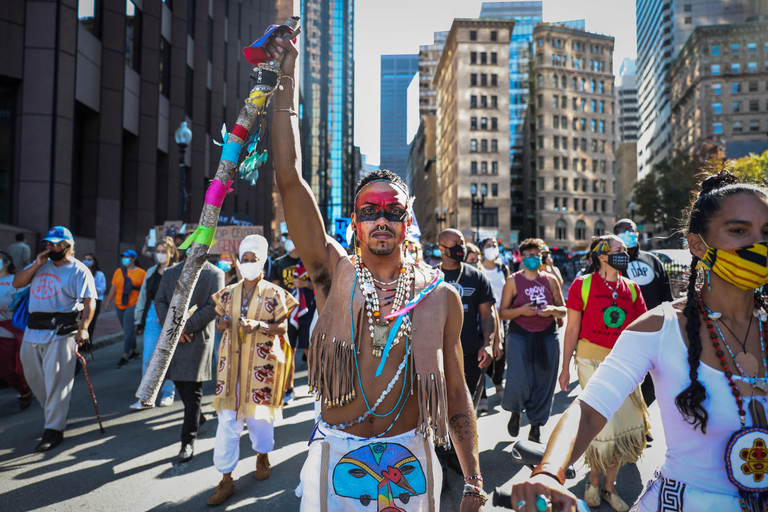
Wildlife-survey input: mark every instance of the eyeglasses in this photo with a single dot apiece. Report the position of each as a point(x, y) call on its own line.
point(57, 244)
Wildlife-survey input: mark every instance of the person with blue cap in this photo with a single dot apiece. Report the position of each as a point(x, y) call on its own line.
point(124, 292)
point(62, 300)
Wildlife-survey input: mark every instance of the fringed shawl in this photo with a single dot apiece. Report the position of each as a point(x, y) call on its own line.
point(332, 360)
point(259, 361)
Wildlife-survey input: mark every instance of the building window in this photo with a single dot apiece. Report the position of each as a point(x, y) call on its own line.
point(736, 107)
point(715, 69)
point(483, 167)
point(751, 47)
point(754, 105)
point(473, 35)
point(494, 80)
point(494, 167)
point(473, 102)
point(737, 128)
point(734, 49)
point(575, 205)
point(541, 183)
point(735, 87)
point(753, 86)
point(473, 146)
point(494, 190)
point(473, 167)
point(493, 35)
point(556, 183)
point(164, 81)
point(715, 49)
point(484, 145)
point(541, 203)
point(555, 101)
point(473, 57)
point(601, 87)
point(132, 36)
point(565, 158)
point(593, 125)
point(483, 123)
point(751, 67)
point(560, 227)
point(556, 204)
point(486, 217)
point(716, 88)
point(493, 57)
point(602, 126)
point(541, 162)
point(754, 126)
point(494, 146)
point(601, 108)
point(735, 67)
point(556, 122)
point(687, 20)
point(718, 127)
point(581, 85)
point(583, 144)
point(473, 79)
point(473, 123)
point(484, 101)
point(583, 105)
point(602, 167)
point(483, 80)
point(583, 124)
point(89, 14)
point(556, 142)
point(494, 101)
point(483, 58)
point(599, 228)
point(540, 101)
point(556, 163)
point(565, 204)
point(602, 146)
point(595, 205)
point(555, 81)
point(494, 123)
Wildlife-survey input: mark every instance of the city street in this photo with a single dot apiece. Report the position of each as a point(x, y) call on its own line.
point(131, 466)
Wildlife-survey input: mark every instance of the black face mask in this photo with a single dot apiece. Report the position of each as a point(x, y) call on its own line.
point(619, 261)
point(57, 255)
point(457, 252)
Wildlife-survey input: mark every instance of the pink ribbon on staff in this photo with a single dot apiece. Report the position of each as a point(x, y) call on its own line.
point(216, 193)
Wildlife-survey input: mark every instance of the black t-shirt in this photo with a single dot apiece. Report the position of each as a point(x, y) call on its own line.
point(474, 289)
point(647, 271)
point(282, 271)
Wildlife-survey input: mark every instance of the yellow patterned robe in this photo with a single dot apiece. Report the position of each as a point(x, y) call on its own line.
point(256, 361)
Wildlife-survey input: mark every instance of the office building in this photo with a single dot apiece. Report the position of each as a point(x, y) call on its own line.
point(626, 102)
point(522, 206)
point(429, 56)
point(573, 134)
point(422, 180)
point(472, 84)
point(92, 93)
point(397, 72)
point(663, 27)
point(719, 86)
point(326, 92)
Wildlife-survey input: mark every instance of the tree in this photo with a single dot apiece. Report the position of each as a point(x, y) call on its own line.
point(750, 169)
point(665, 192)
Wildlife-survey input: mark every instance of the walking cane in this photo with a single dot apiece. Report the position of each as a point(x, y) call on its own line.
point(90, 387)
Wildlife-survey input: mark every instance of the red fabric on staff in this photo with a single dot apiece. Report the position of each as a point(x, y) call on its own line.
point(240, 132)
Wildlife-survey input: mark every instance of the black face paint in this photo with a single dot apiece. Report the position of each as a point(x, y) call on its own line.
point(383, 213)
point(619, 261)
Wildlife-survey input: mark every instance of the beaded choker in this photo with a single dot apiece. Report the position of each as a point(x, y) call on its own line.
point(378, 326)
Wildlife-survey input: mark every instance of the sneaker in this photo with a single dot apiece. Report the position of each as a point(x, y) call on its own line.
point(186, 453)
point(513, 427)
point(51, 439)
point(500, 391)
point(592, 495)
point(122, 363)
point(482, 406)
point(289, 395)
point(135, 354)
point(25, 401)
point(166, 401)
point(615, 501)
point(139, 406)
point(225, 489)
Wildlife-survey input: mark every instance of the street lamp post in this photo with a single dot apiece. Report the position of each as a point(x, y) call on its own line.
point(183, 138)
point(478, 205)
point(632, 210)
point(440, 218)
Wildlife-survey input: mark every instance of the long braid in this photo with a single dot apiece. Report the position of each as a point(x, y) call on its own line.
point(689, 401)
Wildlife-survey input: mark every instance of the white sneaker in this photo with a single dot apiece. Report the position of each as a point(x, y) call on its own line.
point(289, 395)
point(500, 391)
point(483, 405)
point(166, 401)
point(139, 406)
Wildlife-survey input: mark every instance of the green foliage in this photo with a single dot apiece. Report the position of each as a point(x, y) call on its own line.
point(663, 195)
point(750, 169)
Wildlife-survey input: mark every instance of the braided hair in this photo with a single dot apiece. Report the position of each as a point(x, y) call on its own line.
point(704, 207)
point(598, 246)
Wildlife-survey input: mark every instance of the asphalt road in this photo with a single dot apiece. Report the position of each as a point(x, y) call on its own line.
point(131, 466)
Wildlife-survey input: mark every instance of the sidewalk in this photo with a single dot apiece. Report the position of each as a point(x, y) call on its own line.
point(108, 330)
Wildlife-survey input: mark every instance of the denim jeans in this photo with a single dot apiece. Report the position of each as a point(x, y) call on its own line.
point(125, 317)
point(152, 330)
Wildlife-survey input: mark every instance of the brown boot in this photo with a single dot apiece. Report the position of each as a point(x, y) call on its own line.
point(225, 489)
point(262, 466)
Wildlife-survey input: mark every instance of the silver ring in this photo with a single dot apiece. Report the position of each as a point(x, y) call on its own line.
point(520, 505)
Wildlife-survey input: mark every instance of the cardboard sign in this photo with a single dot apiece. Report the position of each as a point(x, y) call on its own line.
point(171, 227)
point(228, 238)
point(235, 219)
point(340, 226)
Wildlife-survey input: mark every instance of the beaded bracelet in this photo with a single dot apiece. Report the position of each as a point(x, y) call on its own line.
point(473, 477)
point(479, 493)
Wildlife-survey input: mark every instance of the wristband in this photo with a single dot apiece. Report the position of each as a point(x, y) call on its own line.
point(473, 477)
point(551, 470)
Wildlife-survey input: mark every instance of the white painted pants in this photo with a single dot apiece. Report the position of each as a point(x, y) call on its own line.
point(50, 372)
point(226, 450)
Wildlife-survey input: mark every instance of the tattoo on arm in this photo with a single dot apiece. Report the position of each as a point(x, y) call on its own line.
point(489, 327)
point(461, 426)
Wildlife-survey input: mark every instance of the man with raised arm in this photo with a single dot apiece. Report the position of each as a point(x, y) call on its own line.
point(385, 356)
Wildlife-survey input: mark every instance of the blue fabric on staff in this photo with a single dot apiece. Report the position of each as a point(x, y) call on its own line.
point(231, 152)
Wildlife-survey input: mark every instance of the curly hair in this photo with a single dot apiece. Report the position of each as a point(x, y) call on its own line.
point(381, 175)
point(529, 243)
point(690, 402)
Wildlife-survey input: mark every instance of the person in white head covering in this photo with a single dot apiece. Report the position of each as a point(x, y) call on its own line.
point(251, 374)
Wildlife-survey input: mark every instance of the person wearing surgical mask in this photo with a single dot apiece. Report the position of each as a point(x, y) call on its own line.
point(253, 365)
point(124, 294)
point(191, 363)
point(413, 251)
point(145, 316)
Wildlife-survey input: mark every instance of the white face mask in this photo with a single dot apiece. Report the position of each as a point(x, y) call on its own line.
point(491, 253)
point(161, 257)
point(251, 271)
point(289, 245)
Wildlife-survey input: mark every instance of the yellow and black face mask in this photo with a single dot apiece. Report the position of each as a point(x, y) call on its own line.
point(745, 268)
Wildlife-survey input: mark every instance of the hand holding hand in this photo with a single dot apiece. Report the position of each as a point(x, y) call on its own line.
point(471, 504)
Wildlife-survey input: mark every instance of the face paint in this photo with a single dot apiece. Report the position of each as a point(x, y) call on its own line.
point(375, 204)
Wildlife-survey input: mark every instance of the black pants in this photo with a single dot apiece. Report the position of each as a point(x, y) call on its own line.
point(92, 325)
point(472, 374)
point(191, 394)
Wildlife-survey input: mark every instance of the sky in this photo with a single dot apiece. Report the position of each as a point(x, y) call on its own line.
point(399, 26)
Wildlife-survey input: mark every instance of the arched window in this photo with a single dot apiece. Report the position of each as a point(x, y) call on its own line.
point(539, 81)
point(560, 227)
point(555, 81)
point(599, 228)
point(594, 86)
point(581, 230)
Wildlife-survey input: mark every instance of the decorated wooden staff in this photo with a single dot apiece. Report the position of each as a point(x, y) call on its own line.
point(251, 121)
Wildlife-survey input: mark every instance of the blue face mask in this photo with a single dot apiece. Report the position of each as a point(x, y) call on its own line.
point(436, 253)
point(88, 263)
point(125, 261)
point(629, 238)
point(532, 263)
point(224, 265)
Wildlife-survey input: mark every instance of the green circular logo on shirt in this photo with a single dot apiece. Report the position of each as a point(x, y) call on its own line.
point(614, 317)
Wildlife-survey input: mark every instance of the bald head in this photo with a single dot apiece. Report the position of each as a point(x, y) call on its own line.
point(450, 236)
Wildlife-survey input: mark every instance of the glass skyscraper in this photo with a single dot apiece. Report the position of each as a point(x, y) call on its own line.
point(526, 16)
point(397, 72)
point(326, 103)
